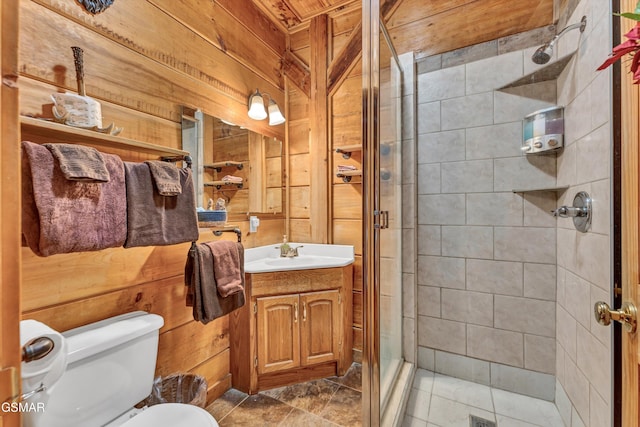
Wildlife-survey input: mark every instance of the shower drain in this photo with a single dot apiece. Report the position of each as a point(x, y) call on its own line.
point(480, 422)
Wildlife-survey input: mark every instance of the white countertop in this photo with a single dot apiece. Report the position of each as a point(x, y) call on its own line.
point(266, 259)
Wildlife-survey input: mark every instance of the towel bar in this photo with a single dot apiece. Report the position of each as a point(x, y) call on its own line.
point(187, 159)
point(234, 230)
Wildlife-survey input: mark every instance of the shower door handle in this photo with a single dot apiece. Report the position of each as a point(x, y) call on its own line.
point(627, 315)
point(384, 220)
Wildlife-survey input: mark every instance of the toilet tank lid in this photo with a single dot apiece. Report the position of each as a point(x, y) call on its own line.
point(94, 338)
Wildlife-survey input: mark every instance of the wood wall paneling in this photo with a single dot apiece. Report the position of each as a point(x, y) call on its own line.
point(222, 29)
point(318, 140)
point(300, 169)
point(10, 275)
point(142, 77)
point(161, 72)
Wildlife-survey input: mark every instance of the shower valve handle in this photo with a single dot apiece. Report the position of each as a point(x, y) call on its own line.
point(570, 211)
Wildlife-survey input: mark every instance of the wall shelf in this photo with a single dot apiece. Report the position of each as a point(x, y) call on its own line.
point(48, 131)
point(533, 190)
point(228, 163)
point(346, 150)
point(347, 175)
point(220, 184)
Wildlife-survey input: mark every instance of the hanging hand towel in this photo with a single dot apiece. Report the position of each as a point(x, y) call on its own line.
point(79, 163)
point(228, 266)
point(62, 216)
point(155, 220)
point(202, 291)
point(166, 177)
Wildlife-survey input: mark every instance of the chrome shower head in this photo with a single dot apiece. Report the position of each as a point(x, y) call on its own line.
point(542, 55)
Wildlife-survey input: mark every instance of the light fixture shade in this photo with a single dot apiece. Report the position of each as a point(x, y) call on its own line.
point(275, 116)
point(256, 107)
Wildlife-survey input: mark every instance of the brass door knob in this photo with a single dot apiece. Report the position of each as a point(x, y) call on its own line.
point(627, 315)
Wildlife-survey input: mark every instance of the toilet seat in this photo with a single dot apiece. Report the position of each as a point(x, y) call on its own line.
point(172, 415)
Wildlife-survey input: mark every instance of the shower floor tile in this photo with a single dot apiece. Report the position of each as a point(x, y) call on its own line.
point(441, 401)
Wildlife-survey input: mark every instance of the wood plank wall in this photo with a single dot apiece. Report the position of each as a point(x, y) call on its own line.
point(143, 60)
point(345, 210)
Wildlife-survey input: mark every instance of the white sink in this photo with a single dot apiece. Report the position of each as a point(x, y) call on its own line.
point(265, 259)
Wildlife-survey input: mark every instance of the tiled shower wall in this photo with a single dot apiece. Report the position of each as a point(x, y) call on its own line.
point(583, 353)
point(486, 263)
point(505, 291)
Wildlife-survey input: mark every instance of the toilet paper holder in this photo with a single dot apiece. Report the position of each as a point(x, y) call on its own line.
point(36, 349)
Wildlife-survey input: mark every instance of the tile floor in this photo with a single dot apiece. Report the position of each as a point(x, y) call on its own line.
point(435, 401)
point(442, 401)
point(330, 402)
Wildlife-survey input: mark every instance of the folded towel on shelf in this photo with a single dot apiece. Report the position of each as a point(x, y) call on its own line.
point(155, 220)
point(202, 293)
point(231, 178)
point(79, 163)
point(228, 266)
point(62, 216)
point(166, 177)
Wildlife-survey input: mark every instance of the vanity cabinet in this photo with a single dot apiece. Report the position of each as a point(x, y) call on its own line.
point(296, 326)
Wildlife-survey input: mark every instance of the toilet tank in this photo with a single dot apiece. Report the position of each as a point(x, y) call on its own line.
point(111, 366)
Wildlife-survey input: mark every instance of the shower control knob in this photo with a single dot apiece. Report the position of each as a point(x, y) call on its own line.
point(537, 144)
point(552, 142)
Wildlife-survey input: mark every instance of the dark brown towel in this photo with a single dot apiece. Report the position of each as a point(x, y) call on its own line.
point(227, 268)
point(80, 163)
point(155, 220)
point(166, 176)
point(202, 293)
point(62, 216)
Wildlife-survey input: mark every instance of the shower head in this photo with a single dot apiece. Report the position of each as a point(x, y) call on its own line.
point(542, 55)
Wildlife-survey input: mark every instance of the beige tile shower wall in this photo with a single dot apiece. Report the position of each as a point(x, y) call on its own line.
point(486, 256)
point(583, 361)
point(409, 209)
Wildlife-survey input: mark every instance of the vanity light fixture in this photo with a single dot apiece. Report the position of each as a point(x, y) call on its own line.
point(258, 112)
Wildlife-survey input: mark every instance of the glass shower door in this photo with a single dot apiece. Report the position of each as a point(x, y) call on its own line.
point(390, 193)
point(382, 214)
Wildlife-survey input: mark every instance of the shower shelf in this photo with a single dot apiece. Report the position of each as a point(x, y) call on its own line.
point(546, 73)
point(346, 150)
point(532, 190)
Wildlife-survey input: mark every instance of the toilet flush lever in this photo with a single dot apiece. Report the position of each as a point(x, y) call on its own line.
point(37, 349)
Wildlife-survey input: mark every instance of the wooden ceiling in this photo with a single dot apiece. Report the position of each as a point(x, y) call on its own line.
point(428, 26)
point(291, 13)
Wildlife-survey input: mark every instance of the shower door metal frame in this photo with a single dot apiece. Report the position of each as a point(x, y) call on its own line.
point(370, 212)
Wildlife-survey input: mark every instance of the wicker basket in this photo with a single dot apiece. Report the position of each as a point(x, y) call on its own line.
point(179, 388)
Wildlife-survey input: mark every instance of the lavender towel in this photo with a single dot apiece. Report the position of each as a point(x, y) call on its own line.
point(62, 216)
point(80, 163)
point(155, 220)
point(202, 293)
point(166, 177)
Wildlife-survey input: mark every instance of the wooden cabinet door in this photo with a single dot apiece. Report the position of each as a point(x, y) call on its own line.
point(278, 333)
point(320, 327)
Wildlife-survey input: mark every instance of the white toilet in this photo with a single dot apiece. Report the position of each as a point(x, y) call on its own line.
point(110, 368)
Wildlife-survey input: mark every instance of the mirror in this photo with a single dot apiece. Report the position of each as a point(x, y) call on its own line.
point(233, 163)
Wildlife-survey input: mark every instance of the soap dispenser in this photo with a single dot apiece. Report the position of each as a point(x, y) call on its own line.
point(284, 247)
